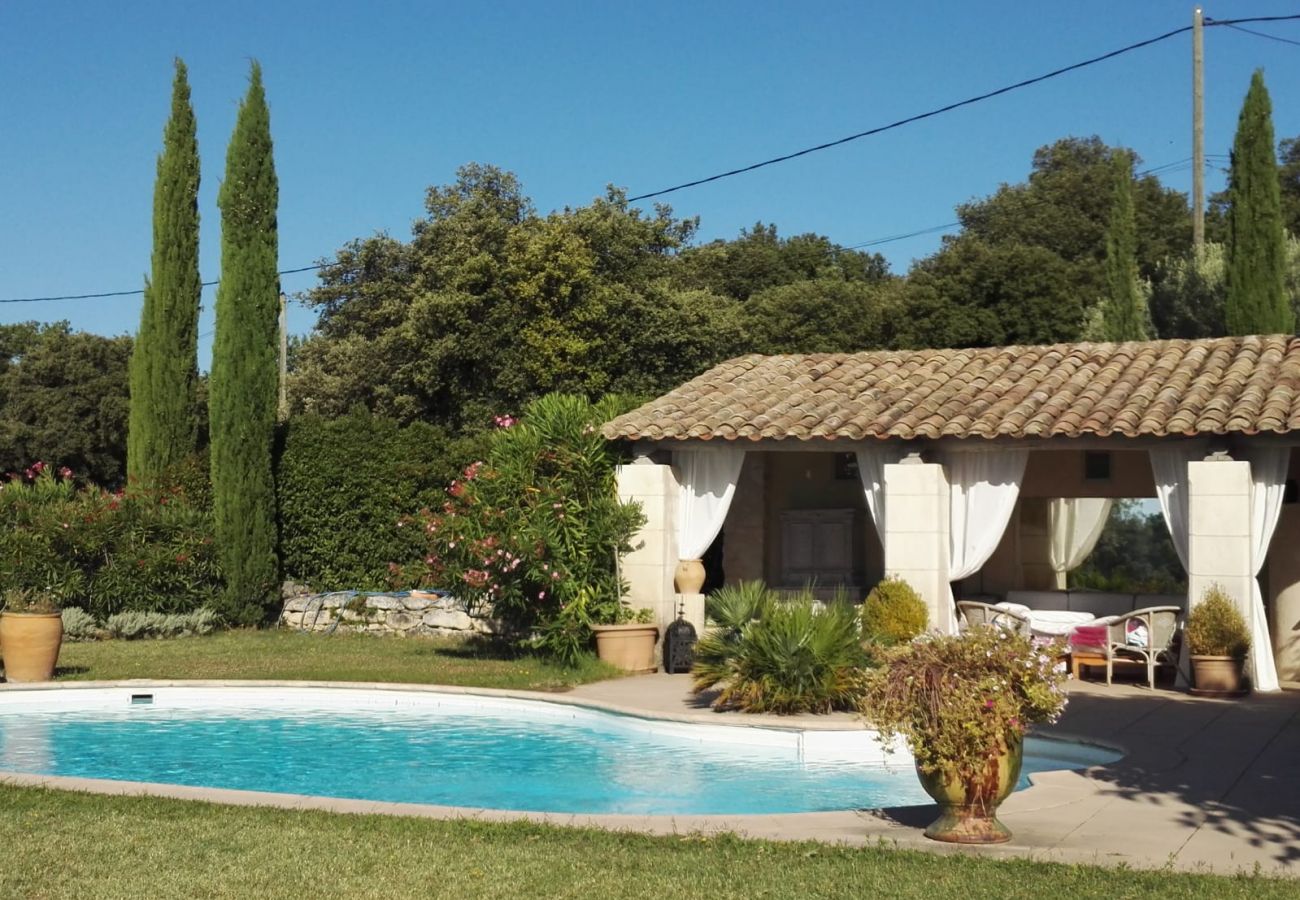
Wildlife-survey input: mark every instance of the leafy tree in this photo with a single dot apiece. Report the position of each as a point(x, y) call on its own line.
point(1256, 302)
point(1123, 308)
point(1134, 554)
point(975, 294)
point(827, 315)
point(164, 365)
point(1289, 183)
point(1065, 206)
point(492, 305)
point(244, 366)
point(973, 291)
point(759, 259)
point(1188, 294)
point(63, 400)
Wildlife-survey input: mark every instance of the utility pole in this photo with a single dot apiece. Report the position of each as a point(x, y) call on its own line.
point(1198, 132)
point(282, 409)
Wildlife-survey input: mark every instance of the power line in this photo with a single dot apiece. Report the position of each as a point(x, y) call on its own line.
point(1271, 37)
point(1166, 169)
point(951, 106)
point(139, 291)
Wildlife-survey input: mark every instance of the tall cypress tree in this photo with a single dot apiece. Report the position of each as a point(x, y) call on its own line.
point(242, 402)
point(163, 424)
point(1124, 309)
point(1257, 301)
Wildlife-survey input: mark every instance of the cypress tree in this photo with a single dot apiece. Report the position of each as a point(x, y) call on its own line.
point(242, 401)
point(1124, 309)
point(163, 426)
point(1257, 302)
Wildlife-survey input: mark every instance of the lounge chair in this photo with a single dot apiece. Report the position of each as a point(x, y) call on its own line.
point(1147, 636)
point(976, 613)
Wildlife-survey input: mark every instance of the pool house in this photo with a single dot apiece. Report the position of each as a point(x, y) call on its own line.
point(976, 473)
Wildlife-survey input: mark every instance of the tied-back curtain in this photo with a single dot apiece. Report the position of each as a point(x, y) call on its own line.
point(1075, 525)
point(708, 482)
point(871, 469)
point(1169, 467)
point(983, 488)
point(1268, 469)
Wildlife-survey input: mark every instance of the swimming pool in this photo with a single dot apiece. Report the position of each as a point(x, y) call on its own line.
point(457, 749)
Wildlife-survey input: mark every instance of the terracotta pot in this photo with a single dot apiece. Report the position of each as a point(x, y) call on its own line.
point(1217, 675)
point(689, 577)
point(628, 647)
point(968, 811)
point(30, 643)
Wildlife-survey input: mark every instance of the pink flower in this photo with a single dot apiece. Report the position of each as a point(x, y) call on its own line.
point(504, 421)
point(65, 472)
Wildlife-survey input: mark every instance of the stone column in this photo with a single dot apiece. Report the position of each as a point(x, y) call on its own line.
point(648, 569)
point(916, 534)
point(1218, 548)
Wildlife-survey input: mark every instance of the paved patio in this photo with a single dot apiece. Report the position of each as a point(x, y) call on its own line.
point(1207, 785)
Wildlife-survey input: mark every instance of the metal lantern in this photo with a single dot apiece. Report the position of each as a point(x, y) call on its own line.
point(679, 645)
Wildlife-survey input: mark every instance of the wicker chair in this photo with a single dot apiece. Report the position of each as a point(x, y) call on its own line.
point(976, 613)
point(1090, 646)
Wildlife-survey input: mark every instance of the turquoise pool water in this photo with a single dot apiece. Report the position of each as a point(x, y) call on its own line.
point(498, 758)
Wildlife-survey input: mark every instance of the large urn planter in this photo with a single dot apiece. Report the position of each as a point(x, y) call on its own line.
point(968, 809)
point(627, 647)
point(1218, 676)
point(689, 577)
point(30, 644)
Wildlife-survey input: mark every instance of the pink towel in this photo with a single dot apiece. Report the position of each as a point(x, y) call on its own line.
point(1089, 636)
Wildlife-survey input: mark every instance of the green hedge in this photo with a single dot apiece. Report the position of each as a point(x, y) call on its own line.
point(343, 485)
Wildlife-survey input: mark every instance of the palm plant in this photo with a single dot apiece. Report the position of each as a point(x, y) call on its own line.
point(782, 656)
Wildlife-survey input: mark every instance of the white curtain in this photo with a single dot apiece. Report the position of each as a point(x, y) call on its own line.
point(871, 469)
point(708, 482)
point(984, 485)
point(1169, 467)
point(1075, 524)
point(1268, 469)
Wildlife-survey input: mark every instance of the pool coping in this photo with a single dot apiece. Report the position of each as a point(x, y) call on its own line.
point(1047, 818)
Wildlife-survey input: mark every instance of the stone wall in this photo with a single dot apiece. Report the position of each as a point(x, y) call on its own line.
point(405, 615)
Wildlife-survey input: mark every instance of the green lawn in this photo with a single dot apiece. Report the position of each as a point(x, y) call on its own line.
point(292, 655)
point(74, 845)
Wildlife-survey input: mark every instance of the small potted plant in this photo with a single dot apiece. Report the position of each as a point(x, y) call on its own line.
point(31, 631)
point(1217, 641)
point(626, 640)
point(962, 703)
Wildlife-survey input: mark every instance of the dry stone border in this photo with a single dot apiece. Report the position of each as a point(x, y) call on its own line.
point(416, 614)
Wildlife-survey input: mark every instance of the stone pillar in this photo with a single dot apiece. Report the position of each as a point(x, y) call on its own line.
point(1218, 548)
point(916, 535)
point(648, 569)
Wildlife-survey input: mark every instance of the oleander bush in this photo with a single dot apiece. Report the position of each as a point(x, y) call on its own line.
point(532, 533)
point(140, 550)
point(766, 653)
point(893, 613)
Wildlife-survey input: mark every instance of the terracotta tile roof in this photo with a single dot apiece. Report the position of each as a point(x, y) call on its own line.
point(1216, 386)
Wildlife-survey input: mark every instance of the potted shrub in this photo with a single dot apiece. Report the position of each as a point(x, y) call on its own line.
point(1218, 641)
point(628, 642)
point(893, 613)
point(962, 703)
point(31, 631)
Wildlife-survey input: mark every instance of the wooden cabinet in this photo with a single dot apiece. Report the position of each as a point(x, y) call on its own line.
point(817, 545)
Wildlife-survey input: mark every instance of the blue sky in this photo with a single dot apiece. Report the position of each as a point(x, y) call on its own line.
point(372, 103)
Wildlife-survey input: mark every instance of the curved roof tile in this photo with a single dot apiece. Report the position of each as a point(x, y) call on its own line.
point(1237, 384)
